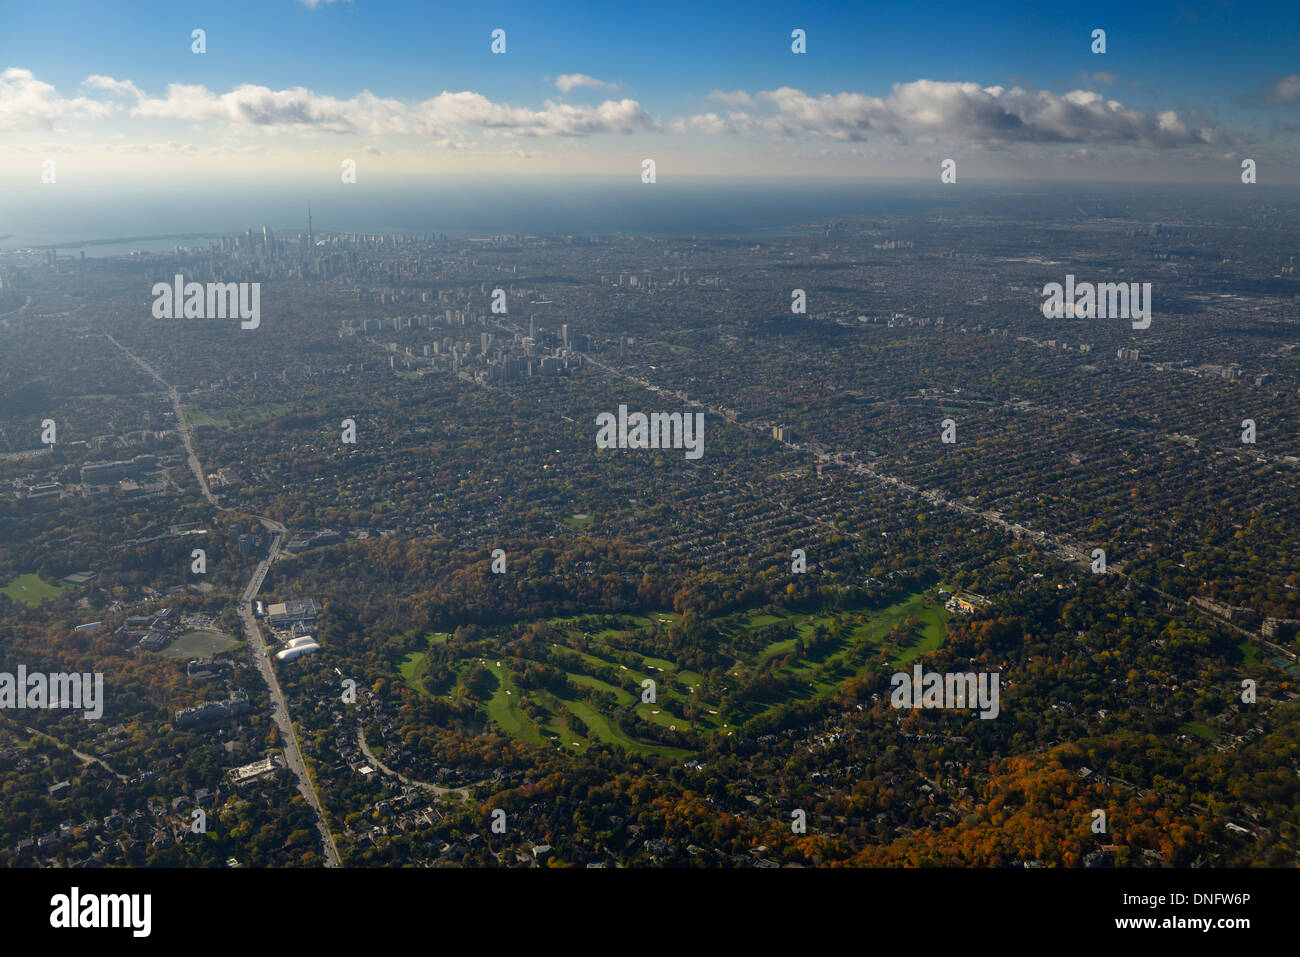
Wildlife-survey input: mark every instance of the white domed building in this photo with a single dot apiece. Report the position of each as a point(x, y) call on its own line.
point(298, 647)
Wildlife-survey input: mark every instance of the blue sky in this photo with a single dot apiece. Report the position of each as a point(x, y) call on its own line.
point(1189, 82)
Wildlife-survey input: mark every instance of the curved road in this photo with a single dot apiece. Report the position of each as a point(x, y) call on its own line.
point(436, 789)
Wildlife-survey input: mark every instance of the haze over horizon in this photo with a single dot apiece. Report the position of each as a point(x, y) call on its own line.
point(1182, 93)
point(553, 206)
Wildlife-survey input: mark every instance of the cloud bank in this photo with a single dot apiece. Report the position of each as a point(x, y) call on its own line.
point(28, 103)
point(965, 112)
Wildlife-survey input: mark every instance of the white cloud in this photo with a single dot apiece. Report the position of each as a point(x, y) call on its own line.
point(1285, 89)
point(955, 111)
point(704, 122)
point(299, 107)
point(734, 98)
point(367, 113)
point(27, 103)
point(569, 81)
point(474, 109)
point(112, 86)
point(919, 112)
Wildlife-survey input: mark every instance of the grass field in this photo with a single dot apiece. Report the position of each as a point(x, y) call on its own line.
point(199, 644)
point(254, 413)
point(30, 590)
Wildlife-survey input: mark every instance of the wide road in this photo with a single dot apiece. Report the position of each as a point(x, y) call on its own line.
point(182, 423)
point(279, 709)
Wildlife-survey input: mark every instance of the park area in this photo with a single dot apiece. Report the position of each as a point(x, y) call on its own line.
point(30, 590)
point(777, 657)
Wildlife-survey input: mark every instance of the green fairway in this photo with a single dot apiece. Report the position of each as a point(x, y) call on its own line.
point(778, 648)
point(663, 664)
point(807, 624)
point(410, 670)
point(503, 707)
point(823, 672)
point(934, 626)
point(605, 730)
point(660, 714)
point(597, 662)
point(624, 697)
point(30, 590)
point(689, 679)
point(412, 667)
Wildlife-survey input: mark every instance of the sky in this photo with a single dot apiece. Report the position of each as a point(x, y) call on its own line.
point(114, 95)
